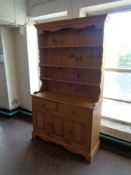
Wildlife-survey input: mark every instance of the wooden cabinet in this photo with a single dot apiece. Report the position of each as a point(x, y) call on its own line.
point(66, 110)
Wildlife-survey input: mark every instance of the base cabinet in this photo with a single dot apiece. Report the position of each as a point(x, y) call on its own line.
point(67, 125)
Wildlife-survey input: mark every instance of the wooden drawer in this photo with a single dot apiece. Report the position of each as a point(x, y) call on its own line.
point(43, 104)
point(73, 110)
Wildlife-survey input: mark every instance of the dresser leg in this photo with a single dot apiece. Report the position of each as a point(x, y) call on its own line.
point(88, 160)
point(33, 135)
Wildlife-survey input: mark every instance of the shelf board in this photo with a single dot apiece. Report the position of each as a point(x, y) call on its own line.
point(72, 67)
point(69, 81)
point(66, 46)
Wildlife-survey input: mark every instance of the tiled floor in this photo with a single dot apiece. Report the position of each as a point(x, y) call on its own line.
point(19, 155)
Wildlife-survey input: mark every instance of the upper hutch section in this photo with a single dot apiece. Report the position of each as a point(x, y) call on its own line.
point(83, 32)
point(85, 37)
point(71, 56)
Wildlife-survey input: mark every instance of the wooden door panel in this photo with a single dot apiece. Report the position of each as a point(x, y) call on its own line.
point(80, 136)
point(41, 120)
point(57, 126)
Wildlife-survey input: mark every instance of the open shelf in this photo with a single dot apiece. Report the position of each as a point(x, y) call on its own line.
point(69, 66)
point(68, 46)
point(69, 81)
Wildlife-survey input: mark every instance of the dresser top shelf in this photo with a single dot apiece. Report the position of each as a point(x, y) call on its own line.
point(83, 102)
point(77, 23)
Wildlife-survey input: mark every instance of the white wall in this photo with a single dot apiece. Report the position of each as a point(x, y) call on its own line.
point(33, 58)
point(4, 100)
point(7, 11)
point(50, 6)
point(22, 67)
point(10, 67)
point(13, 12)
point(21, 12)
point(3, 85)
point(14, 73)
point(4, 103)
point(9, 96)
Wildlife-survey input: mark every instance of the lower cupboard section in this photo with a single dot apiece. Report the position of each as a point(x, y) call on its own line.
point(89, 156)
point(74, 128)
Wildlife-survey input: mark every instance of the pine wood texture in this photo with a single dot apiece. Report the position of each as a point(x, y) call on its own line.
point(67, 108)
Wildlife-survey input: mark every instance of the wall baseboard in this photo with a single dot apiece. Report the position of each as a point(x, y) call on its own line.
point(13, 112)
point(116, 145)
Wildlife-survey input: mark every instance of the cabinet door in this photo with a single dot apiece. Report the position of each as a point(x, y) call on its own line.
point(78, 129)
point(79, 137)
point(57, 129)
point(40, 120)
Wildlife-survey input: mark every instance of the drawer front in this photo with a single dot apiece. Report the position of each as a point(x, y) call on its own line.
point(74, 111)
point(43, 104)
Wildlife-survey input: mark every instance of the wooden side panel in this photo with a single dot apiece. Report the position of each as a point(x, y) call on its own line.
point(95, 136)
point(40, 119)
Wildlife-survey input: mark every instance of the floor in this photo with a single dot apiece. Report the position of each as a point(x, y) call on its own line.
point(20, 155)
